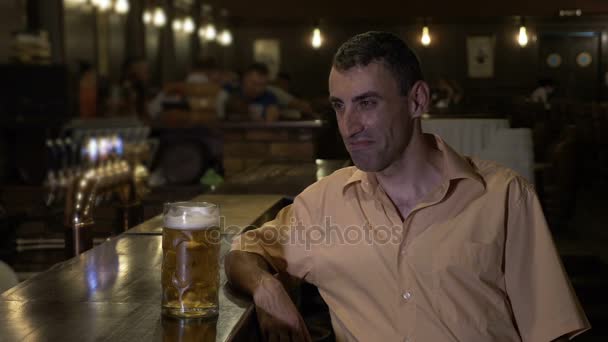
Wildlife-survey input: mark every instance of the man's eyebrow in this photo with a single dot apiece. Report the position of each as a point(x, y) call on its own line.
point(366, 95)
point(333, 99)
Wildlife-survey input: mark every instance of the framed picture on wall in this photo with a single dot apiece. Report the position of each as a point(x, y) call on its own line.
point(480, 56)
point(268, 51)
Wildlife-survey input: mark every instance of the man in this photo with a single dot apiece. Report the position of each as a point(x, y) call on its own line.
point(415, 243)
point(541, 94)
point(205, 71)
point(282, 90)
point(251, 98)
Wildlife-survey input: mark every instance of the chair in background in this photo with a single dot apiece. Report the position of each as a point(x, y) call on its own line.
point(557, 180)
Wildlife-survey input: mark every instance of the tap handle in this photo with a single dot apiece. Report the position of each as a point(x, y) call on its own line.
point(51, 151)
point(76, 153)
point(62, 155)
point(69, 147)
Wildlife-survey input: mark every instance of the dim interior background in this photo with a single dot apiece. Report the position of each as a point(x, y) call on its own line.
point(569, 137)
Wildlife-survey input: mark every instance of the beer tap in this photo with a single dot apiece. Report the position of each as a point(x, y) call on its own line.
point(51, 176)
point(81, 200)
point(62, 177)
point(108, 164)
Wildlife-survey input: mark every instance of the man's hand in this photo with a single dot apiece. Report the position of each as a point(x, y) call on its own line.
point(277, 315)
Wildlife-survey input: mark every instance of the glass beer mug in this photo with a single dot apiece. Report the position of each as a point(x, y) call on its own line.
point(190, 269)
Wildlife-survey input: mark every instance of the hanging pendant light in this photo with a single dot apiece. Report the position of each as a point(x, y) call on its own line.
point(317, 39)
point(210, 32)
point(121, 6)
point(522, 36)
point(425, 38)
point(188, 25)
point(177, 25)
point(147, 17)
point(159, 19)
point(225, 37)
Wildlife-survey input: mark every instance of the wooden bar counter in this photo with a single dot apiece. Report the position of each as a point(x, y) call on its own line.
point(113, 292)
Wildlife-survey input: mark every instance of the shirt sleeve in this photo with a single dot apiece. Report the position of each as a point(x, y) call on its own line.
point(282, 241)
point(543, 301)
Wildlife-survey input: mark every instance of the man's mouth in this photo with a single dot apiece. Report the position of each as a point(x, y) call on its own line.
point(355, 145)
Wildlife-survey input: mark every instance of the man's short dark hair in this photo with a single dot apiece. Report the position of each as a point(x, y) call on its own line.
point(260, 68)
point(381, 47)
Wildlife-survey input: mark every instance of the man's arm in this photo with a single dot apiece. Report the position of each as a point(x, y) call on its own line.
point(278, 317)
point(245, 271)
point(544, 304)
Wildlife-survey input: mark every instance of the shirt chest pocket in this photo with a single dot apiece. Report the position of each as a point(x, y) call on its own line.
point(467, 283)
point(475, 259)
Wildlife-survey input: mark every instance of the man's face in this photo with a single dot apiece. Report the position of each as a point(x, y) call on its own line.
point(254, 84)
point(372, 113)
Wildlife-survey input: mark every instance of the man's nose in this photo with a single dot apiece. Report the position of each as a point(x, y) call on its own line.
point(353, 123)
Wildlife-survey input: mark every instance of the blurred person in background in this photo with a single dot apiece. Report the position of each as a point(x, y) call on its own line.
point(542, 93)
point(87, 90)
point(447, 93)
point(134, 86)
point(291, 106)
point(174, 94)
point(251, 97)
point(205, 70)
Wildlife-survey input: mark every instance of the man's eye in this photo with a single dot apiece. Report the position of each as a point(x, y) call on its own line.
point(367, 104)
point(337, 106)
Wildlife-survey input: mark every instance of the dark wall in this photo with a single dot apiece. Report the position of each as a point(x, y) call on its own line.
point(13, 19)
point(516, 69)
point(80, 28)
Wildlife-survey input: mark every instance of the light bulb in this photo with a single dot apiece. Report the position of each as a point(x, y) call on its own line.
point(426, 37)
point(159, 17)
point(188, 25)
point(121, 6)
point(522, 39)
point(210, 32)
point(317, 40)
point(225, 37)
point(147, 17)
point(177, 25)
point(75, 2)
point(103, 5)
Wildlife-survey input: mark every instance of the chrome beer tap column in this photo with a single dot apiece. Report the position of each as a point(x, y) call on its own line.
point(107, 172)
point(82, 194)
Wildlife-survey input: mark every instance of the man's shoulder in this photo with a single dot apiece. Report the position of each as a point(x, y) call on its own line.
point(333, 184)
point(498, 177)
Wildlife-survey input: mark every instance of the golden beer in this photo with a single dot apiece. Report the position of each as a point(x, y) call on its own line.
point(190, 270)
point(187, 330)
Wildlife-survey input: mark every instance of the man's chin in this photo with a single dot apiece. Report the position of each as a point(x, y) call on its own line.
point(367, 165)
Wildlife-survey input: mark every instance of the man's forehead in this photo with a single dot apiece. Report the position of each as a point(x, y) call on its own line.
point(357, 79)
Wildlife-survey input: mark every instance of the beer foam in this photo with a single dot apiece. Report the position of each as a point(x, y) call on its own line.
point(192, 217)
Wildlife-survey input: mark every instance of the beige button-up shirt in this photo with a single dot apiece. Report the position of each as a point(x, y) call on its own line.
point(473, 261)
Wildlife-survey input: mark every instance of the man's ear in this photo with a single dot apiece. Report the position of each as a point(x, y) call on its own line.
point(418, 99)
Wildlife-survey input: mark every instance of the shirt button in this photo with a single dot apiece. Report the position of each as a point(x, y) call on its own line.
point(407, 296)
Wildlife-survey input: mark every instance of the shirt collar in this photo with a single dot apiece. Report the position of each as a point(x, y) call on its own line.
point(455, 166)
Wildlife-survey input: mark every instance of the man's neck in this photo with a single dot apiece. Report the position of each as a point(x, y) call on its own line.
point(413, 176)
